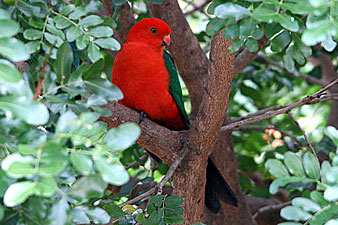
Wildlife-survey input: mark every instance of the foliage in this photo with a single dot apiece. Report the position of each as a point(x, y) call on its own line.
point(298, 174)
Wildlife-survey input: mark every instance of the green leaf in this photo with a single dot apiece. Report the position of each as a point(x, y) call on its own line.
point(246, 27)
point(82, 41)
point(59, 214)
point(252, 45)
point(93, 52)
point(332, 133)
point(96, 214)
point(120, 2)
point(324, 214)
point(123, 136)
point(2, 212)
point(311, 165)
point(73, 33)
point(46, 187)
point(14, 49)
point(329, 44)
point(113, 210)
point(88, 187)
point(317, 34)
point(8, 28)
point(61, 23)
point(77, 13)
point(281, 41)
point(318, 198)
point(109, 43)
point(8, 72)
point(52, 168)
point(79, 216)
point(103, 89)
point(155, 202)
point(174, 200)
point(112, 173)
point(36, 23)
point(276, 168)
point(288, 22)
point(215, 25)
point(101, 31)
point(18, 192)
point(21, 169)
point(33, 46)
point(90, 21)
point(264, 14)
point(306, 204)
point(231, 32)
point(294, 213)
point(67, 9)
point(32, 34)
point(4, 14)
point(155, 1)
point(63, 62)
point(331, 193)
point(282, 181)
point(231, 10)
point(30, 111)
point(53, 39)
point(294, 164)
point(81, 162)
point(318, 3)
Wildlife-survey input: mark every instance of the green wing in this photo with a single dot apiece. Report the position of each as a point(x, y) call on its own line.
point(175, 87)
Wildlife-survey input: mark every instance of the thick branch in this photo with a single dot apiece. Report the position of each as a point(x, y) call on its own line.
point(190, 59)
point(245, 57)
point(157, 139)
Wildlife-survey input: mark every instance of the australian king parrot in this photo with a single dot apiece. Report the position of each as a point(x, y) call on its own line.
point(148, 79)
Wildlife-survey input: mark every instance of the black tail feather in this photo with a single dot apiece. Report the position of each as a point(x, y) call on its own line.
point(216, 189)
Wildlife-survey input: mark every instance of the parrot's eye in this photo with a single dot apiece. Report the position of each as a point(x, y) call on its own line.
point(153, 30)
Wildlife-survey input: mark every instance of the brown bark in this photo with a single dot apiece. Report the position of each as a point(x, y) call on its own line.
point(155, 138)
point(225, 159)
point(330, 74)
point(190, 175)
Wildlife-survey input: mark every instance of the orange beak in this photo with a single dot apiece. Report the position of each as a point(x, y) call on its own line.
point(166, 40)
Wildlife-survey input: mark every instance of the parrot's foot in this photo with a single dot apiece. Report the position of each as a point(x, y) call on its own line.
point(143, 115)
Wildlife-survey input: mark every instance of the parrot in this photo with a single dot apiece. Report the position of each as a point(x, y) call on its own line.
point(147, 76)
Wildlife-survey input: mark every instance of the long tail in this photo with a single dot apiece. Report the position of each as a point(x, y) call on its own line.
point(217, 189)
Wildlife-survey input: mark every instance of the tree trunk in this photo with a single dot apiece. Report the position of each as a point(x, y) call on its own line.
point(225, 159)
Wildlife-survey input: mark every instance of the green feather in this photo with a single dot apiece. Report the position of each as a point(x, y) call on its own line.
point(175, 87)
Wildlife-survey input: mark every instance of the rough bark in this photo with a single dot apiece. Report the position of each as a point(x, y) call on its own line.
point(155, 138)
point(190, 175)
point(225, 159)
point(330, 74)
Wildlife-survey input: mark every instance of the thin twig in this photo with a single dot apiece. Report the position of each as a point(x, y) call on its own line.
point(39, 87)
point(140, 197)
point(270, 208)
point(307, 100)
point(305, 136)
point(160, 185)
point(172, 168)
point(136, 162)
